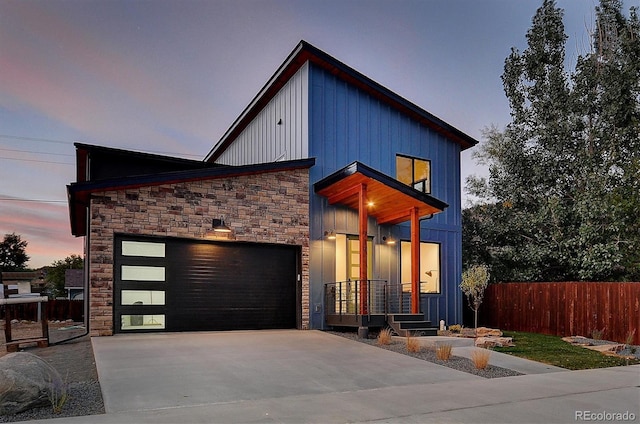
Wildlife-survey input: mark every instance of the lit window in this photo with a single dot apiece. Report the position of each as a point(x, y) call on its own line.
point(429, 267)
point(414, 172)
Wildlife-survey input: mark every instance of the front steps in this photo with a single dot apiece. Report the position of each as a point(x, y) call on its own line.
point(411, 325)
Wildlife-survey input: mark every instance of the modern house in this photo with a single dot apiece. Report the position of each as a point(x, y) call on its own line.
point(330, 201)
point(74, 284)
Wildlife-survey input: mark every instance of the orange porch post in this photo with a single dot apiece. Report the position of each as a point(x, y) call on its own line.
point(363, 216)
point(415, 261)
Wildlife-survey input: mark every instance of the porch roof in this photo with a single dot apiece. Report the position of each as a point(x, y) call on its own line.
point(389, 200)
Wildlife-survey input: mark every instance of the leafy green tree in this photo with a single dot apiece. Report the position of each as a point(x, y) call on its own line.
point(56, 274)
point(13, 253)
point(607, 102)
point(562, 189)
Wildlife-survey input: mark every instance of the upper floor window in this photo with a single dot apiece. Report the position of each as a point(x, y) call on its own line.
point(414, 172)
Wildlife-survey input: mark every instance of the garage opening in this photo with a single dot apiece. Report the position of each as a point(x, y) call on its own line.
point(171, 284)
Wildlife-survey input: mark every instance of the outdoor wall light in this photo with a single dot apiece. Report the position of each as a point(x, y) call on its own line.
point(330, 235)
point(388, 240)
point(219, 226)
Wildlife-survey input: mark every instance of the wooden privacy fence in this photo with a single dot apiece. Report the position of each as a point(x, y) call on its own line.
point(60, 309)
point(565, 308)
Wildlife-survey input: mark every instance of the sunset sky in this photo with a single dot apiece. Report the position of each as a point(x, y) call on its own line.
point(171, 76)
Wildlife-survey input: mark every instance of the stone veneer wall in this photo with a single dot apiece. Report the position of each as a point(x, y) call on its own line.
point(268, 207)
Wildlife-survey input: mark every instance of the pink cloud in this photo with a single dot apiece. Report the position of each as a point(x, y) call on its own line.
point(73, 75)
point(44, 226)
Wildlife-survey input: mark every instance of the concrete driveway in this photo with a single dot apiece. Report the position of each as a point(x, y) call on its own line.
point(154, 371)
point(310, 376)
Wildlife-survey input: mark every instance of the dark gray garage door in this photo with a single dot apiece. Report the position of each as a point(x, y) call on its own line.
point(165, 284)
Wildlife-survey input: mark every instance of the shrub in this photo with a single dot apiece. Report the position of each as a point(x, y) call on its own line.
point(630, 336)
point(384, 337)
point(413, 344)
point(629, 341)
point(480, 358)
point(58, 394)
point(597, 334)
point(443, 351)
point(456, 328)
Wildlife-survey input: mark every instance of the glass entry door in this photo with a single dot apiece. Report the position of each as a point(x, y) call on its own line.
point(353, 256)
point(348, 270)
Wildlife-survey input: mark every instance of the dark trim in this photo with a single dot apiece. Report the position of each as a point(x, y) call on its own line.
point(189, 175)
point(306, 52)
point(358, 167)
point(89, 148)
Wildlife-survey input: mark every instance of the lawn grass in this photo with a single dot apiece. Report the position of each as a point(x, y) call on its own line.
point(553, 350)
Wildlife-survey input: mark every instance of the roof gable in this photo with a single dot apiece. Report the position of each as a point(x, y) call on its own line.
point(305, 52)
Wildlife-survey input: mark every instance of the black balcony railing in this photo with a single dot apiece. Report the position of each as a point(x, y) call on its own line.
point(382, 298)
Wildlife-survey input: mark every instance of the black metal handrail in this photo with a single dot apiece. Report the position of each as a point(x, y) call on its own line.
point(344, 297)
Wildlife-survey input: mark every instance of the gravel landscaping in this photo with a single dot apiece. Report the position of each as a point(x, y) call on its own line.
point(456, 362)
point(75, 363)
point(85, 398)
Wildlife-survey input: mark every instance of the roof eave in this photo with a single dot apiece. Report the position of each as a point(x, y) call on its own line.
point(342, 186)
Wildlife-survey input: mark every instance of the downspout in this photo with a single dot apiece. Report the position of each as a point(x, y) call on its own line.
point(85, 278)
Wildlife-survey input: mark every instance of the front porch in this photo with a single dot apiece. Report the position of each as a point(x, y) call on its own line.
point(386, 305)
point(358, 300)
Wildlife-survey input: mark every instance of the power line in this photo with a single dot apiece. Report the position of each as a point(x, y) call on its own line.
point(39, 161)
point(47, 140)
point(44, 140)
point(12, 199)
point(37, 153)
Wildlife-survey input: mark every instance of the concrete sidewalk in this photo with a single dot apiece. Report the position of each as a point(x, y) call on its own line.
point(310, 376)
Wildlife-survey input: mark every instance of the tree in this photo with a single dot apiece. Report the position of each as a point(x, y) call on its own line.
point(563, 175)
point(56, 274)
point(474, 282)
point(607, 102)
point(13, 256)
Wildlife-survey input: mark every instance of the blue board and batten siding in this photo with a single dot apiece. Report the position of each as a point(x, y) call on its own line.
point(347, 124)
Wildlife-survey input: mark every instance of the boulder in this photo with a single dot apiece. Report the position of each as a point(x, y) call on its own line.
point(484, 332)
point(468, 332)
point(27, 381)
point(490, 341)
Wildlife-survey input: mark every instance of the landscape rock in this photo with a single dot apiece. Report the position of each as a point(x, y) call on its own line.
point(492, 341)
point(485, 332)
point(468, 332)
point(27, 381)
point(578, 340)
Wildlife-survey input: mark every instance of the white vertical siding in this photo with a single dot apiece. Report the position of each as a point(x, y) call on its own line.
point(263, 140)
